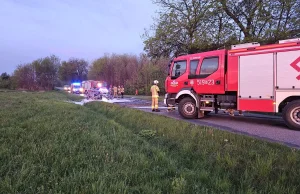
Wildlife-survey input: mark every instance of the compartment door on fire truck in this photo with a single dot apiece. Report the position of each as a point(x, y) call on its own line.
point(210, 75)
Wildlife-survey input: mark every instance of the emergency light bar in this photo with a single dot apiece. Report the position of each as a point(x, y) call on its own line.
point(76, 84)
point(245, 45)
point(289, 40)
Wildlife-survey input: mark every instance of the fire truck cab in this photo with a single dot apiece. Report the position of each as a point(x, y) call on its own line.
point(76, 88)
point(248, 77)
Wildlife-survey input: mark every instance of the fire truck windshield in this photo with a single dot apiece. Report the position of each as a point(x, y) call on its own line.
point(179, 68)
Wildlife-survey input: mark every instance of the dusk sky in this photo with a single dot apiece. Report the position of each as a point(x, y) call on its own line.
point(87, 29)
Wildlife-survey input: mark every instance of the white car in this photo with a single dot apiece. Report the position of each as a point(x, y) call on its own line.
point(103, 90)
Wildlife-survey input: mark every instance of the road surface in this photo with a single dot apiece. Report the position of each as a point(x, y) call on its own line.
point(271, 128)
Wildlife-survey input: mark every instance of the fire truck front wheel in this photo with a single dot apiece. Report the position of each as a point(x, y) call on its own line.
point(291, 115)
point(187, 108)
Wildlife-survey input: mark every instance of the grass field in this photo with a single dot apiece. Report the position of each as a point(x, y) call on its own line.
point(48, 145)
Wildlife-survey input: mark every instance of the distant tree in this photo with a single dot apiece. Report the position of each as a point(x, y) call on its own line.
point(189, 26)
point(24, 77)
point(99, 69)
point(73, 69)
point(40, 74)
point(5, 76)
point(134, 72)
point(264, 20)
point(46, 72)
point(5, 81)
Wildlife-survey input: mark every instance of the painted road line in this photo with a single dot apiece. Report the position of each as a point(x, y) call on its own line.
point(146, 107)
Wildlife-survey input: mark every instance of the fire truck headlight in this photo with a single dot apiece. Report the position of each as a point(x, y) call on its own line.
point(99, 85)
point(81, 89)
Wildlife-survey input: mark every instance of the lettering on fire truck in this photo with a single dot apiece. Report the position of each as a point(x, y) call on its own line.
point(206, 82)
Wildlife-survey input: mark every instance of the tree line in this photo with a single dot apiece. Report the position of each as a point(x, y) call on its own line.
point(182, 26)
point(131, 71)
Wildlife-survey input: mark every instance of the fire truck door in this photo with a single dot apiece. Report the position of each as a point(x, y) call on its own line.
point(210, 78)
point(179, 76)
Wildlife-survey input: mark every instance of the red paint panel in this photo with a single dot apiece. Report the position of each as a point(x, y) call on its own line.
point(232, 74)
point(256, 105)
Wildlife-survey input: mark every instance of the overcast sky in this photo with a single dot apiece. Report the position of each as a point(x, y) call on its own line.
point(30, 29)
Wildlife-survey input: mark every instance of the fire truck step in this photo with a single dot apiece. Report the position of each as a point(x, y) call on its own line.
point(207, 99)
point(207, 108)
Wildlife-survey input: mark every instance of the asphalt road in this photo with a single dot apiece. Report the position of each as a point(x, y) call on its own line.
point(270, 128)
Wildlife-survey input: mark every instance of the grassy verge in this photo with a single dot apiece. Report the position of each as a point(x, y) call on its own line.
point(51, 146)
point(160, 98)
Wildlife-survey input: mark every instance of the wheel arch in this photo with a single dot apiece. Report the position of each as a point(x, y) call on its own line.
point(283, 103)
point(187, 93)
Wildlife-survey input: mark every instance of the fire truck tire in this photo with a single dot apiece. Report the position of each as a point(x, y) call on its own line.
point(291, 115)
point(187, 108)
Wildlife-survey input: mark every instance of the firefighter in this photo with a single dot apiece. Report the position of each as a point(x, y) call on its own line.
point(115, 91)
point(122, 91)
point(155, 94)
point(119, 91)
point(109, 90)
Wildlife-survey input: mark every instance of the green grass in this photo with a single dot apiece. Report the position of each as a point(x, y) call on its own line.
point(160, 98)
point(50, 146)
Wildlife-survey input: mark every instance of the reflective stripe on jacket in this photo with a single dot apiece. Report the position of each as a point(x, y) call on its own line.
point(154, 90)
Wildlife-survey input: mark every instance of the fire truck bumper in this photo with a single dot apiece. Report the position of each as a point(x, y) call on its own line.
point(165, 99)
point(169, 99)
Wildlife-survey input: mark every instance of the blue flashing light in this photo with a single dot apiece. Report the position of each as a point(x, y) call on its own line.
point(76, 84)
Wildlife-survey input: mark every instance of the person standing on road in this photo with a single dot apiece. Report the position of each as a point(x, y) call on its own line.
point(119, 91)
point(122, 91)
point(155, 94)
point(115, 91)
point(110, 91)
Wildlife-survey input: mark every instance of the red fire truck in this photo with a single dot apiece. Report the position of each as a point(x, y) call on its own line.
point(92, 84)
point(248, 77)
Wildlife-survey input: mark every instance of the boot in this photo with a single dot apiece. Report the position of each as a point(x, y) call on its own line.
point(157, 110)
